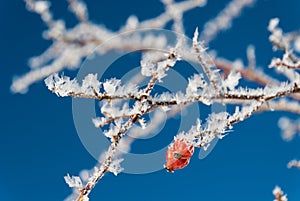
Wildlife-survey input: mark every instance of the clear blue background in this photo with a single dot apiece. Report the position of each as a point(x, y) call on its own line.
point(38, 140)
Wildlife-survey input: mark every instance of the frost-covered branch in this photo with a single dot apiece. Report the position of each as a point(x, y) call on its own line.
point(120, 129)
point(224, 19)
point(294, 164)
point(283, 42)
point(216, 125)
point(254, 75)
point(279, 194)
point(282, 105)
point(79, 9)
point(207, 63)
point(122, 105)
point(285, 63)
point(106, 164)
point(71, 46)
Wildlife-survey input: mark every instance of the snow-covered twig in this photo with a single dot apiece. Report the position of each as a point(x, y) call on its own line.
point(71, 46)
point(279, 194)
point(294, 164)
point(224, 19)
point(124, 104)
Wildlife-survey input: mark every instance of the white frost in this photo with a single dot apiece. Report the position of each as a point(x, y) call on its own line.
point(73, 182)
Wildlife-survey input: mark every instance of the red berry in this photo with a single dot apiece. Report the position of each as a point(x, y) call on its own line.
point(178, 155)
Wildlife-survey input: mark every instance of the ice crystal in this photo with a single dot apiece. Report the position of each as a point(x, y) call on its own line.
point(73, 181)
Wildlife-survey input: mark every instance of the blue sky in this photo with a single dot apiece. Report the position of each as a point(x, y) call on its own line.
point(39, 143)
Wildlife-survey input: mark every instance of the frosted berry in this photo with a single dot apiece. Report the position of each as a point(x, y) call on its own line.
point(178, 155)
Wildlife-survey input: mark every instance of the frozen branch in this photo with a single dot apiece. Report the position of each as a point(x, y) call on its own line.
point(224, 19)
point(79, 9)
point(283, 104)
point(119, 131)
point(283, 42)
point(124, 104)
point(294, 164)
point(206, 63)
point(279, 194)
point(71, 46)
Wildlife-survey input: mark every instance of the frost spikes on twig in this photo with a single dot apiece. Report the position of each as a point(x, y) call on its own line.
point(279, 194)
point(73, 181)
point(207, 64)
